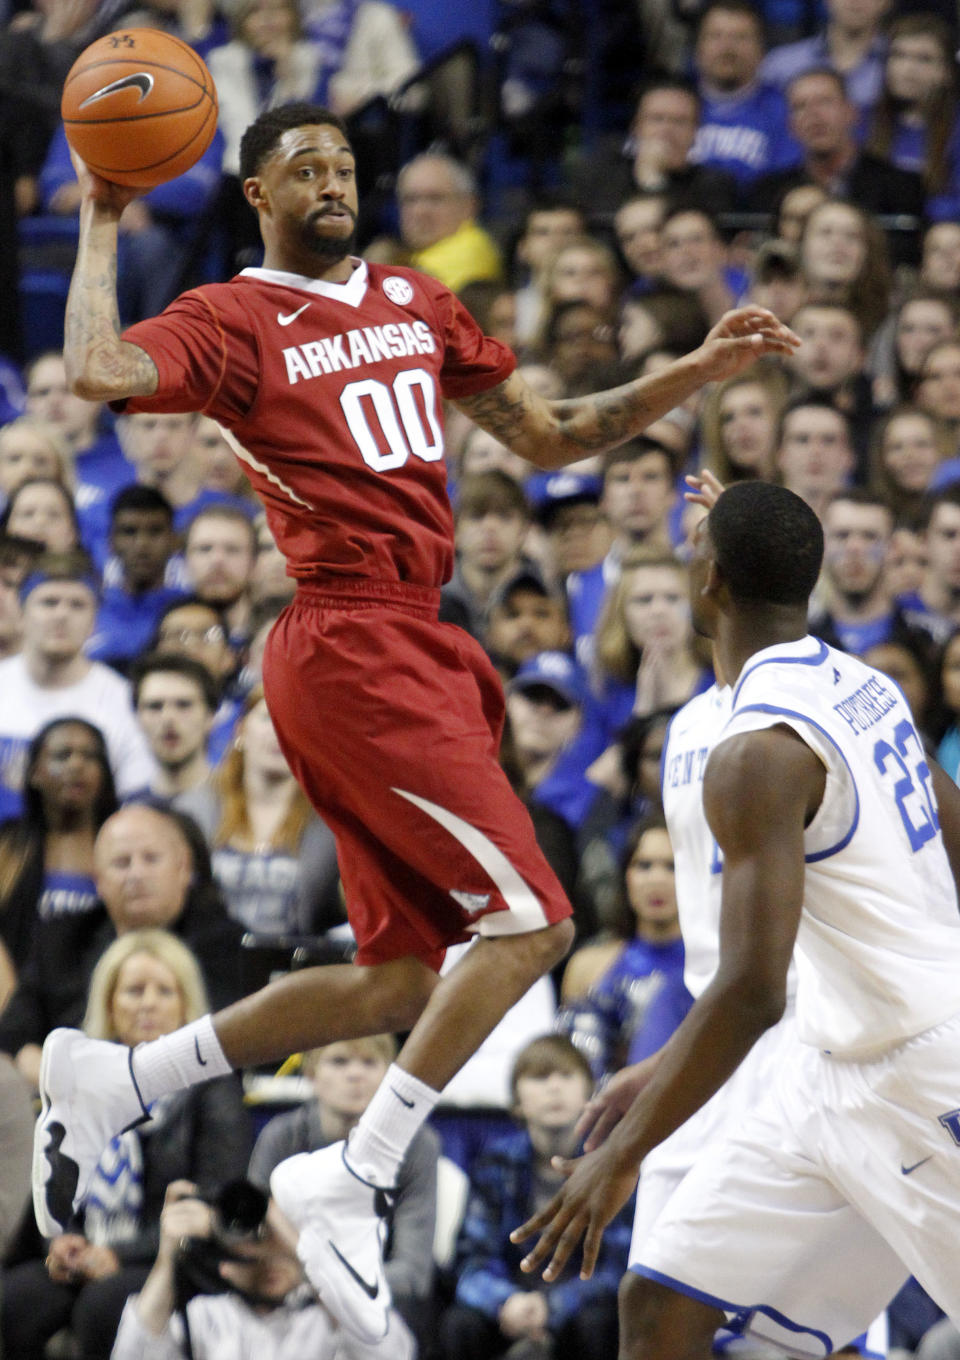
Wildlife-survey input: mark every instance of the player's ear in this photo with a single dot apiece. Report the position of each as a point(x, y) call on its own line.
point(253, 192)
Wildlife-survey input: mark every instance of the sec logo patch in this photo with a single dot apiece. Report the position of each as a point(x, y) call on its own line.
point(398, 290)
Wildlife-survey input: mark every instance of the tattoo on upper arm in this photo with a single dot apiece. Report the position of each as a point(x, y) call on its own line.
point(501, 410)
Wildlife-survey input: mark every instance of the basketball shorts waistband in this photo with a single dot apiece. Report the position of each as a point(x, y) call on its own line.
point(358, 592)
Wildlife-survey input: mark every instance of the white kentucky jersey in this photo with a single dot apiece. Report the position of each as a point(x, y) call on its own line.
point(878, 949)
point(697, 865)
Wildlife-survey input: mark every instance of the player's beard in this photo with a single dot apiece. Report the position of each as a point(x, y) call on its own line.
point(331, 249)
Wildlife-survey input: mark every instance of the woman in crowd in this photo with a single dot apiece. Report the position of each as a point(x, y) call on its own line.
point(906, 454)
point(647, 654)
point(905, 339)
point(843, 255)
point(42, 509)
point(938, 391)
point(29, 449)
point(624, 996)
point(46, 854)
point(272, 856)
point(914, 122)
point(146, 984)
point(739, 425)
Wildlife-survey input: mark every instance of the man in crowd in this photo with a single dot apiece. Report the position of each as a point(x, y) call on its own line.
point(142, 542)
point(51, 677)
point(175, 700)
point(221, 553)
point(936, 606)
point(743, 121)
point(438, 209)
point(859, 610)
point(548, 225)
point(492, 520)
point(525, 618)
point(852, 44)
point(814, 453)
point(693, 258)
point(830, 364)
point(823, 119)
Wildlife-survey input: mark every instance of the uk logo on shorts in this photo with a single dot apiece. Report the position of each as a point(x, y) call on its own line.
point(398, 290)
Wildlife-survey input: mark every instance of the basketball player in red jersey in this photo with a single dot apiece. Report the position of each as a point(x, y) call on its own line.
point(326, 375)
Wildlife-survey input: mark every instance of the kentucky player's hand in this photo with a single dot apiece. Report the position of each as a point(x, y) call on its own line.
point(704, 488)
point(598, 1186)
point(740, 337)
point(607, 1107)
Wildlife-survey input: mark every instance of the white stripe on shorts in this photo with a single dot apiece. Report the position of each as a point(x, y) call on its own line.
point(525, 912)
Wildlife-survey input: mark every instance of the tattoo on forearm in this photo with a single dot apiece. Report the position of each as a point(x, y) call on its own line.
point(575, 427)
point(92, 341)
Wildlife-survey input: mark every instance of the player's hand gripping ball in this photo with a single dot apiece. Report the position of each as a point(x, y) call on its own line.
point(139, 107)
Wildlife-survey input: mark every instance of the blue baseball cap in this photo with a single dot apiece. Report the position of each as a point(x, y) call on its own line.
point(547, 491)
point(553, 670)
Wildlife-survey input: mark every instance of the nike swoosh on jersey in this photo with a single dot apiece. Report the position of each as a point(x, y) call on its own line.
point(139, 80)
point(906, 1170)
point(285, 320)
point(371, 1290)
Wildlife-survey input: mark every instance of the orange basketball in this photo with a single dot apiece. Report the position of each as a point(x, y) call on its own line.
point(139, 107)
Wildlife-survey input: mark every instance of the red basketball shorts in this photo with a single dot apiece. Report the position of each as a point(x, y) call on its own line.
point(391, 722)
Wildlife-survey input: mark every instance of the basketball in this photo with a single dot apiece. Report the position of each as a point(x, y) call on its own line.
point(139, 107)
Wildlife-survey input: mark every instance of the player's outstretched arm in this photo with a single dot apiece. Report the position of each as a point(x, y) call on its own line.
point(551, 434)
point(759, 792)
point(100, 366)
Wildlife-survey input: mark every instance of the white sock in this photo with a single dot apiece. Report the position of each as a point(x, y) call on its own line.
point(174, 1061)
point(399, 1106)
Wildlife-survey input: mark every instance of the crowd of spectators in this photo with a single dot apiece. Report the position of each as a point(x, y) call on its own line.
point(155, 848)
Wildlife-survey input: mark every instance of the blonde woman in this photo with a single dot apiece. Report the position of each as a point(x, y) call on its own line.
point(739, 425)
point(146, 984)
point(273, 858)
point(647, 655)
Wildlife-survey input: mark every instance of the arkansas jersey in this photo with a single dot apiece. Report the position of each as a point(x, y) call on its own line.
point(330, 396)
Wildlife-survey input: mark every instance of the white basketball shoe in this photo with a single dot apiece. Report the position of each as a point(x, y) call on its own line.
point(88, 1093)
point(342, 1222)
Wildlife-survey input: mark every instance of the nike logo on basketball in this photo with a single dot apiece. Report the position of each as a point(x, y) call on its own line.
point(285, 320)
point(140, 80)
point(200, 1058)
point(906, 1170)
point(402, 1099)
point(371, 1290)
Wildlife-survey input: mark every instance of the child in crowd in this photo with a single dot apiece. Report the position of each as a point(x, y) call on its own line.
point(498, 1311)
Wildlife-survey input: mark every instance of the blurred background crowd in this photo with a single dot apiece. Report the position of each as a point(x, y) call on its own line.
point(599, 181)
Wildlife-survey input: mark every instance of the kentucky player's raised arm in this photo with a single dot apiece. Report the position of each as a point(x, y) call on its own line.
point(551, 434)
point(100, 366)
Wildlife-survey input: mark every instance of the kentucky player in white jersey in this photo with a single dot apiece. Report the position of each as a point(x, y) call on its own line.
point(838, 836)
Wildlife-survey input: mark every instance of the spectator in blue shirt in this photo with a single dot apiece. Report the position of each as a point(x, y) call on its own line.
point(143, 540)
point(624, 997)
point(743, 121)
point(851, 43)
point(497, 1306)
